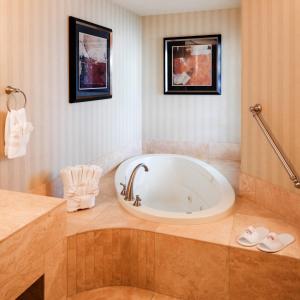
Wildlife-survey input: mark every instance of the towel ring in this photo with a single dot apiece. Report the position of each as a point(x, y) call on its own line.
point(10, 90)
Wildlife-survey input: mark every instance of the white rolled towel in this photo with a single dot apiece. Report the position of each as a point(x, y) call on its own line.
point(81, 186)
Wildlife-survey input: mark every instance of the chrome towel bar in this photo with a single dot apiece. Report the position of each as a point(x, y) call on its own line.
point(256, 112)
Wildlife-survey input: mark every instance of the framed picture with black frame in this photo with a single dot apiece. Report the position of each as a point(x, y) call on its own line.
point(192, 65)
point(90, 51)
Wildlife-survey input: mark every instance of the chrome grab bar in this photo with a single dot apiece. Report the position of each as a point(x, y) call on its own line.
point(256, 112)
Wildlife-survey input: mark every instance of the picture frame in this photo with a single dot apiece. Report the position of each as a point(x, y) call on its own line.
point(90, 61)
point(192, 65)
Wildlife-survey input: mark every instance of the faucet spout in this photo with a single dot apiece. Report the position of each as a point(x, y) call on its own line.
point(129, 191)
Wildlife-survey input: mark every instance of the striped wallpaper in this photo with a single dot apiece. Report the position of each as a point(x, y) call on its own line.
point(191, 118)
point(271, 76)
point(34, 57)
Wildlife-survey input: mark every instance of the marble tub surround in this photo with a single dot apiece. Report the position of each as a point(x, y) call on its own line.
point(32, 244)
point(205, 151)
point(187, 269)
point(161, 263)
point(18, 210)
point(108, 214)
point(280, 201)
point(260, 276)
point(109, 247)
point(177, 267)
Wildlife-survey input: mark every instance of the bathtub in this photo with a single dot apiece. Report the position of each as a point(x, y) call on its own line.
point(177, 189)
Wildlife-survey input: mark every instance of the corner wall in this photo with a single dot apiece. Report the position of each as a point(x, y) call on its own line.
point(34, 57)
point(271, 76)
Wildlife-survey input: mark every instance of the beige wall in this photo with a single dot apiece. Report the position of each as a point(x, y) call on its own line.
point(34, 57)
point(271, 76)
point(197, 118)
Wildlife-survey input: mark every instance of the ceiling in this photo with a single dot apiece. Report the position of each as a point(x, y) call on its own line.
point(157, 7)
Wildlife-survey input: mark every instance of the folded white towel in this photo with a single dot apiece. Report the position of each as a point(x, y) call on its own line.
point(81, 186)
point(17, 133)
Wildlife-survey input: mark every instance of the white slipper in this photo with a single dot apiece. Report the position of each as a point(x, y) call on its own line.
point(275, 242)
point(252, 236)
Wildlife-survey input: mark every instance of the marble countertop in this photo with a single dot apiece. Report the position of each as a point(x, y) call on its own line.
point(18, 210)
point(108, 213)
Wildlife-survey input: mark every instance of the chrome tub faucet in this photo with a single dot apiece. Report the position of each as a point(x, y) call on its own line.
point(128, 191)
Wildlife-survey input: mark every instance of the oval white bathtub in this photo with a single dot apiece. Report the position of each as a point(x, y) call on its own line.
point(177, 189)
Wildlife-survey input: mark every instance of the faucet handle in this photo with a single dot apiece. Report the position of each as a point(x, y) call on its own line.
point(138, 201)
point(123, 192)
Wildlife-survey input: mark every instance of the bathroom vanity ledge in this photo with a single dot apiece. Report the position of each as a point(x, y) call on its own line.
point(18, 210)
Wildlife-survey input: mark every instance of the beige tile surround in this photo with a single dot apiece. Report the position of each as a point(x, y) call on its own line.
point(109, 247)
point(282, 202)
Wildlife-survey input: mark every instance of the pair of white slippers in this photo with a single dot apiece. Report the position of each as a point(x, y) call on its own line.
point(264, 240)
